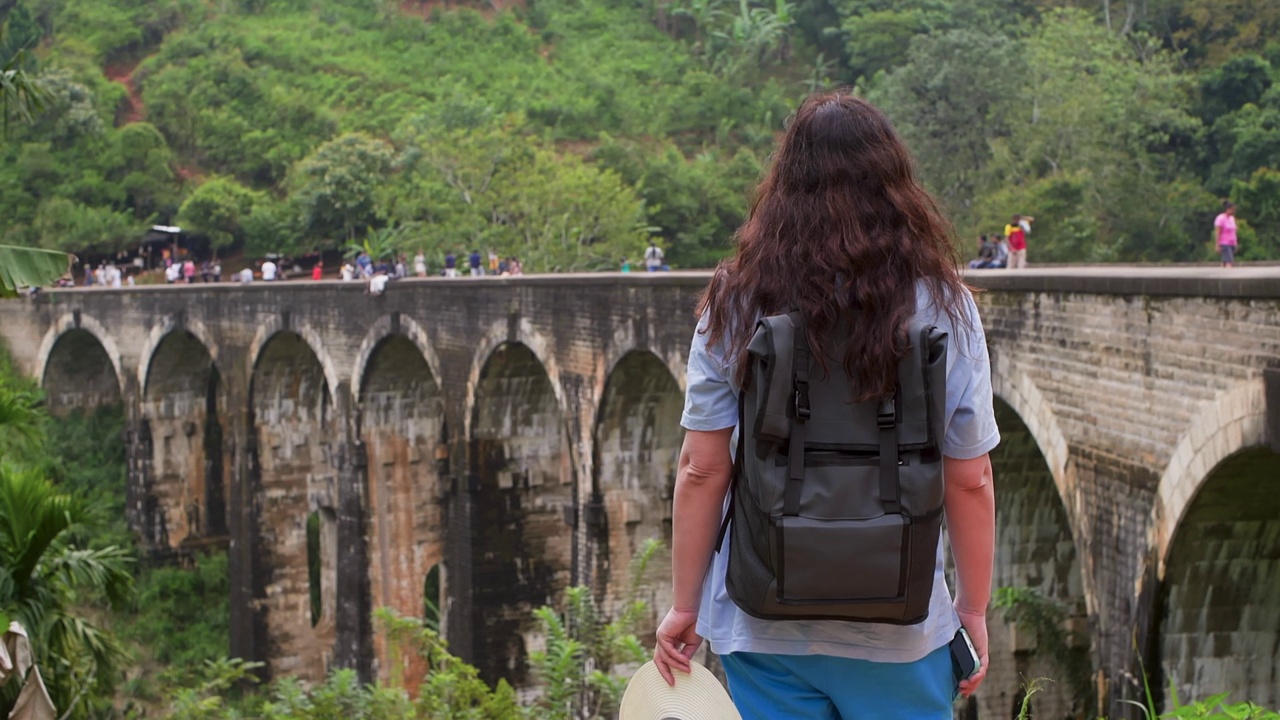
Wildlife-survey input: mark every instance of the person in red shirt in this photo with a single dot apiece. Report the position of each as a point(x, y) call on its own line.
point(317, 272)
point(1017, 243)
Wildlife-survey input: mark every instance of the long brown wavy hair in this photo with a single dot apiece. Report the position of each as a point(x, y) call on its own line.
point(839, 222)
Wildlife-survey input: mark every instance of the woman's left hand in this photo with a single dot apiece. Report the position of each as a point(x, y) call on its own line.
point(677, 642)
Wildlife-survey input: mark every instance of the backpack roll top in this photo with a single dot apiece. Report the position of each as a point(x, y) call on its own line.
point(836, 506)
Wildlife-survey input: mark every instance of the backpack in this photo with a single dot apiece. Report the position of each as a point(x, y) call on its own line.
point(835, 507)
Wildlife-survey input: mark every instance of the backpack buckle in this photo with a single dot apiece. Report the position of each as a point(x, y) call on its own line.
point(887, 416)
point(802, 400)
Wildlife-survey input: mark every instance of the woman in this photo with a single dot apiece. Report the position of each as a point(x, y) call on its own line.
point(839, 221)
point(1224, 228)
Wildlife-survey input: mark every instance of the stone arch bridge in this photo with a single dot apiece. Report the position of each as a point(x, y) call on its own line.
point(479, 445)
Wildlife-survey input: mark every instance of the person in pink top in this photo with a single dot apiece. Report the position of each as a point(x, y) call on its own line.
point(189, 271)
point(1224, 227)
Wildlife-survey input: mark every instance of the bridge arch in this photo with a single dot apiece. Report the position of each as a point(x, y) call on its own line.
point(1037, 556)
point(293, 475)
point(504, 333)
point(275, 325)
point(637, 439)
point(388, 325)
point(183, 414)
point(161, 332)
point(1233, 421)
point(402, 425)
point(523, 491)
point(1217, 535)
point(80, 365)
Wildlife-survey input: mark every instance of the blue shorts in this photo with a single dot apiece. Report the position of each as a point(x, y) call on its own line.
point(765, 686)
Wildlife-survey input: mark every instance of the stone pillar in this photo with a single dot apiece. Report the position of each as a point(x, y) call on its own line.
point(458, 483)
point(140, 508)
point(248, 622)
point(353, 643)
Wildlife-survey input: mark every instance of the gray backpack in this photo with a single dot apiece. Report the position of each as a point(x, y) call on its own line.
point(835, 506)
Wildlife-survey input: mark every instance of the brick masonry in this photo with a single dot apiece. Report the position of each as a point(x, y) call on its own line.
point(520, 435)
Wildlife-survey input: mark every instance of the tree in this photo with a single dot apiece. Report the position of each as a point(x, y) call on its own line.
point(219, 209)
point(20, 95)
point(1094, 116)
point(490, 186)
point(64, 224)
point(334, 187)
point(958, 93)
point(45, 573)
point(1259, 200)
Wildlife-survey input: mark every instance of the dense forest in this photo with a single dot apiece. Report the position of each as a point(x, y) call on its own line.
point(570, 132)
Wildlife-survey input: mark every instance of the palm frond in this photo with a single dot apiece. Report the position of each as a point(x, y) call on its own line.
point(20, 94)
point(34, 514)
point(21, 414)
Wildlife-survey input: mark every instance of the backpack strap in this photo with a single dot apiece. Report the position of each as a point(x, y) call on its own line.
point(890, 487)
point(736, 473)
point(800, 412)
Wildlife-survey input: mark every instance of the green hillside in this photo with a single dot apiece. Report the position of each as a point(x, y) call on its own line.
point(569, 132)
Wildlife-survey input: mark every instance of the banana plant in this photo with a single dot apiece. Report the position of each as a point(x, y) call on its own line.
point(24, 267)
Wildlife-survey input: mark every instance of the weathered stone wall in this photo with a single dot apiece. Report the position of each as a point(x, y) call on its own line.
point(637, 443)
point(505, 431)
point(1035, 551)
point(402, 421)
point(1120, 372)
point(182, 420)
point(294, 479)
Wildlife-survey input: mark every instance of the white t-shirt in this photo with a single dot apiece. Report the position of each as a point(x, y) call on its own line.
point(246, 275)
point(173, 272)
point(653, 256)
point(711, 403)
point(268, 270)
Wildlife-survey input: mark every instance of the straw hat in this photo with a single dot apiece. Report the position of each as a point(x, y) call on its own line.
point(696, 696)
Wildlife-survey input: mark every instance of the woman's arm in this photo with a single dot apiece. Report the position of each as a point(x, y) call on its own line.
point(971, 525)
point(702, 481)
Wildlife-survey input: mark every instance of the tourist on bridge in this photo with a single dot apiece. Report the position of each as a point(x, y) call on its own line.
point(476, 263)
point(269, 270)
point(420, 264)
point(450, 265)
point(653, 257)
point(1224, 229)
point(317, 272)
point(189, 271)
point(840, 223)
point(1016, 232)
point(986, 253)
point(216, 270)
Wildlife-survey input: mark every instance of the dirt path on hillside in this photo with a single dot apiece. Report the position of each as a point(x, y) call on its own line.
point(123, 73)
point(488, 8)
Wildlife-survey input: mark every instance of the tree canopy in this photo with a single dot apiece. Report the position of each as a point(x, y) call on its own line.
point(569, 132)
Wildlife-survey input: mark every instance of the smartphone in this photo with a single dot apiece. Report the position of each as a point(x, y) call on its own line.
point(964, 658)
